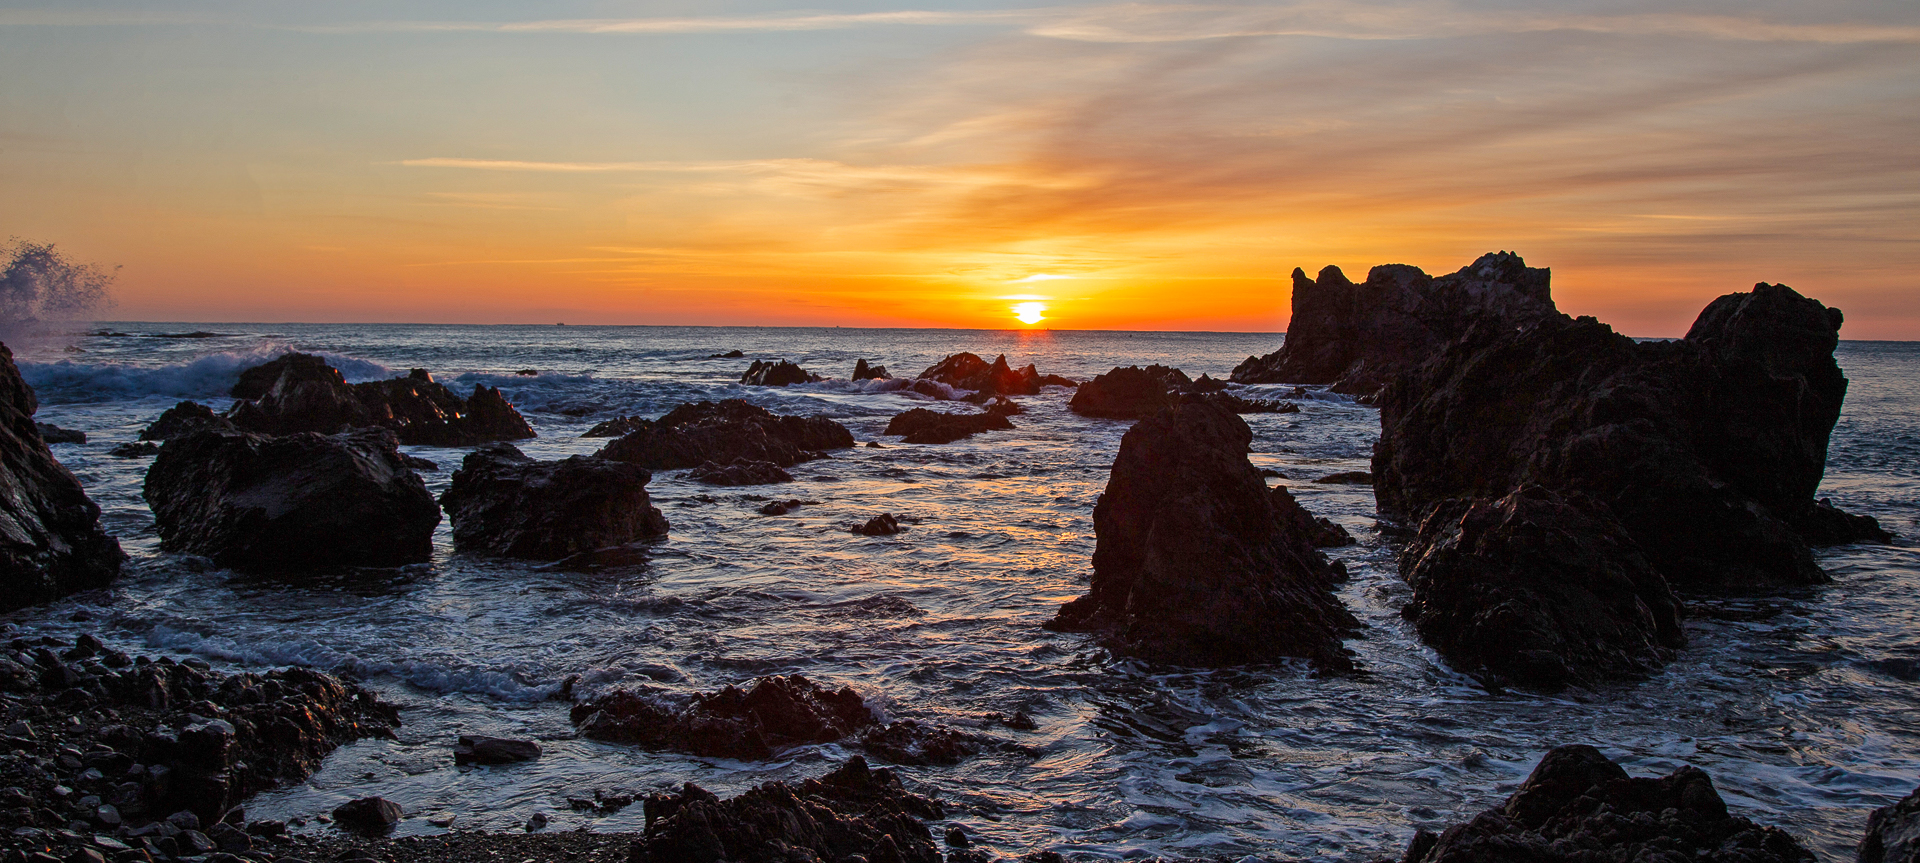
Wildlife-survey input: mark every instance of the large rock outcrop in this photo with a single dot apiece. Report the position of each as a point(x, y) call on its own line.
point(51, 543)
point(1131, 392)
point(767, 373)
point(301, 393)
point(853, 813)
point(921, 425)
point(968, 371)
point(505, 504)
point(291, 502)
point(183, 419)
point(1358, 337)
point(1707, 450)
point(1579, 807)
point(1194, 565)
point(1893, 833)
point(725, 432)
point(1538, 590)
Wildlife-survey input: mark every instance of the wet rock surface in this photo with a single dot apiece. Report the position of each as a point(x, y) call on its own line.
point(1579, 806)
point(1320, 531)
point(505, 504)
point(153, 754)
point(1358, 337)
point(481, 749)
point(183, 419)
point(301, 393)
point(768, 716)
point(924, 426)
point(852, 813)
point(1893, 833)
point(51, 542)
point(1707, 449)
point(135, 449)
point(292, 502)
point(864, 372)
point(883, 524)
point(1538, 590)
point(1192, 563)
point(739, 472)
point(968, 371)
point(766, 373)
point(615, 427)
point(724, 432)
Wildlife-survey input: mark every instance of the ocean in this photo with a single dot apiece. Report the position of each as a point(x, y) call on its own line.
point(1800, 704)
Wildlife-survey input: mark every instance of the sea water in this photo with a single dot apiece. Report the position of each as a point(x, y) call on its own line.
point(1800, 704)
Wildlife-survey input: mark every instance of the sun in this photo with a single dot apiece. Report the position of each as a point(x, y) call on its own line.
point(1030, 313)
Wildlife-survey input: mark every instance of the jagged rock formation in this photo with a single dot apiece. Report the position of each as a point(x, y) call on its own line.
point(291, 502)
point(505, 504)
point(1319, 531)
point(1193, 564)
point(864, 372)
point(852, 813)
point(183, 419)
point(766, 373)
point(301, 393)
point(1358, 337)
point(921, 425)
point(1131, 392)
point(1579, 806)
point(724, 432)
point(968, 371)
point(51, 543)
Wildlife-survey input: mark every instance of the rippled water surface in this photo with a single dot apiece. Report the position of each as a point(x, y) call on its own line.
point(1800, 705)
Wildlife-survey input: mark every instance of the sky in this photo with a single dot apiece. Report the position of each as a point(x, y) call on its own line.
point(1123, 165)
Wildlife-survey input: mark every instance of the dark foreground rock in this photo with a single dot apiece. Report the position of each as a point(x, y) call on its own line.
point(724, 432)
point(1540, 591)
point(924, 426)
point(54, 434)
point(183, 419)
point(968, 371)
point(739, 472)
point(301, 393)
point(294, 502)
point(503, 503)
point(1131, 392)
point(777, 374)
point(1708, 449)
point(1318, 530)
point(615, 427)
point(369, 815)
point(770, 715)
point(481, 749)
point(51, 543)
point(853, 813)
point(1579, 806)
point(155, 737)
point(1893, 833)
point(1193, 565)
point(1359, 337)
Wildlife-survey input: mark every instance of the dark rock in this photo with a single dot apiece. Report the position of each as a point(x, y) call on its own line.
point(1577, 805)
point(765, 373)
point(230, 838)
point(135, 449)
point(1003, 406)
point(864, 372)
point(1320, 532)
point(729, 355)
point(724, 432)
point(1349, 477)
point(1130, 392)
point(1192, 563)
point(481, 749)
point(883, 524)
point(1893, 833)
point(957, 837)
point(185, 418)
point(528, 373)
point(969, 372)
point(1538, 590)
point(1707, 449)
point(51, 543)
point(616, 427)
point(780, 507)
point(851, 814)
point(770, 715)
point(1358, 337)
point(1240, 405)
point(294, 502)
point(924, 426)
point(739, 472)
point(303, 394)
point(369, 815)
point(418, 463)
point(503, 503)
point(54, 434)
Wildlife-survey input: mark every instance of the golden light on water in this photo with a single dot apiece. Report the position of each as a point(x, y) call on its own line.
point(1030, 313)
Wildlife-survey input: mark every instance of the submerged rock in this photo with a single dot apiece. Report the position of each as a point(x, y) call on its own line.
point(924, 426)
point(1707, 450)
point(968, 371)
point(1358, 337)
point(183, 419)
point(481, 749)
point(853, 813)
point(1192, 563)
point(1577, 805)
point(739, 472)
point(291, 502)
point(780, 374)
point(770, 715)
point(51, 543)
point(724, 432)
point(503, 503)
point(301, 393)
point(1540, 591)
